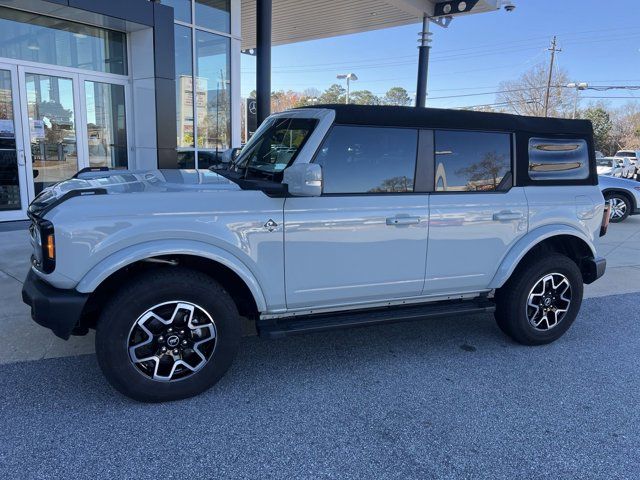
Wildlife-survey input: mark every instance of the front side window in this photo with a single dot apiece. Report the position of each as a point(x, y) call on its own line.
point(558, 159)
point(273, 147)
point(472, 161)
point(368, 160)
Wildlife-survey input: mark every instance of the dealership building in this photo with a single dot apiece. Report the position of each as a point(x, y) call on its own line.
point(144, 84)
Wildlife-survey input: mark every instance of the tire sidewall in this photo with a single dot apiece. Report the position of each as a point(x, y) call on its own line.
point(611, 196)
point(114, 327)
point(521, 327)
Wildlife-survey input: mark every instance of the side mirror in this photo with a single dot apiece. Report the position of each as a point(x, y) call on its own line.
point(304, 179)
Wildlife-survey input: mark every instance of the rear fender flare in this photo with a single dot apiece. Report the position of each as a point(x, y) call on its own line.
point(526, 243)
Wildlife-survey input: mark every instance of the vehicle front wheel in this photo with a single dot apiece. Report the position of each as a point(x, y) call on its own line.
point(541, 300)
point(168, 334)
point(620, 207)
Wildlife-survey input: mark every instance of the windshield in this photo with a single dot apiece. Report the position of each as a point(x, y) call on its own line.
point(626, 153)
point(273, 147)
point(605, 162)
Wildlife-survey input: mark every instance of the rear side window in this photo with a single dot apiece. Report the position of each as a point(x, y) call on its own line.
point(558, 159)
point(368, 160)
point(472, 161)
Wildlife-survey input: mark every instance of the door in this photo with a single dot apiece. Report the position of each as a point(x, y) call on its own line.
point(365, 239)
point(71, 121)
point(476, 215)
point(50, 122)
point(13, 183)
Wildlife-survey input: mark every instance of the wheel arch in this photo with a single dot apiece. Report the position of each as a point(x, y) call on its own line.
point(627, 195)
point(226, 268)
point(562, 239)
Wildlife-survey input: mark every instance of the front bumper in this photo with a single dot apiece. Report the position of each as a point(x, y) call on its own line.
point(593, 269)
point(53, 308)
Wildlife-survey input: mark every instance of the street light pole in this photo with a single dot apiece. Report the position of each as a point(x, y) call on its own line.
point(348, 77)
point(578, 87)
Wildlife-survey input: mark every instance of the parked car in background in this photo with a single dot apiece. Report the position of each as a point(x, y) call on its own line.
point(634, 158)
point(622, 194)
point(628, 168)
point(330, 217)
point(609, 166)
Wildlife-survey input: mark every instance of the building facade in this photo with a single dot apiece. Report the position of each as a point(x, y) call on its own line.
point(143, 84)
point(120, 84)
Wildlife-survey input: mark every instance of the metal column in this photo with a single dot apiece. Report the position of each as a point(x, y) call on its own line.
point(423, 63)
point(263, 59)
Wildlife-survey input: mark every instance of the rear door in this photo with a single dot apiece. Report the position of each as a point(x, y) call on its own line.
point(475, 214)
point(365, 239)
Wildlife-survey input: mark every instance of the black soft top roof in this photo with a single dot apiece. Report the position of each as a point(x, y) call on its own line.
point(454, 119)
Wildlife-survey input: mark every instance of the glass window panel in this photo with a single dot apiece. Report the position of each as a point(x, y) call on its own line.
point(368, 160)
point(214, 14)
point(213, 99)
point(558, 159)
point(275, 147)
point(106, 125)
point(52, 129)
point(25, 36)
point(472, 161)
point(9, 180)
point(186, 159)
point(181, 9)
point(184, 86)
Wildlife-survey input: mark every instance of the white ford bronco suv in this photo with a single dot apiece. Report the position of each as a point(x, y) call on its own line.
point(332, 216)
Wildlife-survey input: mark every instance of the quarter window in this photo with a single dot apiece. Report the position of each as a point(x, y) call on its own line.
point(472, 161)
point(558, 159)
point(368, 160)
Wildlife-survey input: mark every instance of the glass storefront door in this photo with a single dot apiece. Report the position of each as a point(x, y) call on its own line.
point(53, 141)
point(53, 123)
point(13, 188)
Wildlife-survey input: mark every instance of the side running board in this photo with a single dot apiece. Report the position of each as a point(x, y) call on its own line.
point(280, 327)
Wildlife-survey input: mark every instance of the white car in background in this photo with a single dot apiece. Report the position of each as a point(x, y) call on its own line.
point(622, 194)
point(609, 166)
point(633, 156)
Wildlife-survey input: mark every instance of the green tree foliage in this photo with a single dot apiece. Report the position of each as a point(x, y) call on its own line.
point(397, 96)
point(334, 94)
point(602, 126)
point(364, 97)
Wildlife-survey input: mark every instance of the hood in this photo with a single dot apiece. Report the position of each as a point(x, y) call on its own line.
point(604, 170)
point(126, 182)
point(611, 182)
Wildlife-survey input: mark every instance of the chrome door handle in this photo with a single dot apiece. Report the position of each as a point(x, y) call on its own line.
point(21, 158)
point(508, 216)
point(403, 220)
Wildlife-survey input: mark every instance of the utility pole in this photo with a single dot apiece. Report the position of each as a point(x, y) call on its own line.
point(553, 50)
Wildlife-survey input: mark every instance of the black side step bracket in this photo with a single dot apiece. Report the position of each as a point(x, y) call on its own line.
point(280, 327)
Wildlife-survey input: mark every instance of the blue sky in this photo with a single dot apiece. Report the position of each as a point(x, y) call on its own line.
point(475, 53)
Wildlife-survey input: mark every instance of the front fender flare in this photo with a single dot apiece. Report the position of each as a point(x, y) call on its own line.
point(526, 243)
point(116, 261)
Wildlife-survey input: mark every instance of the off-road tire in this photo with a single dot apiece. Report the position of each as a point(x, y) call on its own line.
point(512, 298)
point(140, 293)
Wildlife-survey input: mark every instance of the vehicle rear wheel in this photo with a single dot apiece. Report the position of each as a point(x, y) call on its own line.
point(541, 300)
point(620, 206)
point(167, 334)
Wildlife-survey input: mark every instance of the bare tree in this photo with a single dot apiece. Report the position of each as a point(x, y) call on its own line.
point(525, 95)
point(626, 127)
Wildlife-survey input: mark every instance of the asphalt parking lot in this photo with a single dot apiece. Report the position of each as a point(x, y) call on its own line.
point(434, 399)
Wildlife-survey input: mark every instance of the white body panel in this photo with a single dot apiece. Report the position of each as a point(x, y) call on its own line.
point(342, 249)
point(469, 235)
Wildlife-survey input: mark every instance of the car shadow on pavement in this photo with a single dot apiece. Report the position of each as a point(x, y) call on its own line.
point(280, 363)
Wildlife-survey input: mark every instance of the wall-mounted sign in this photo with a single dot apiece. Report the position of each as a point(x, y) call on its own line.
point(251, 117)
